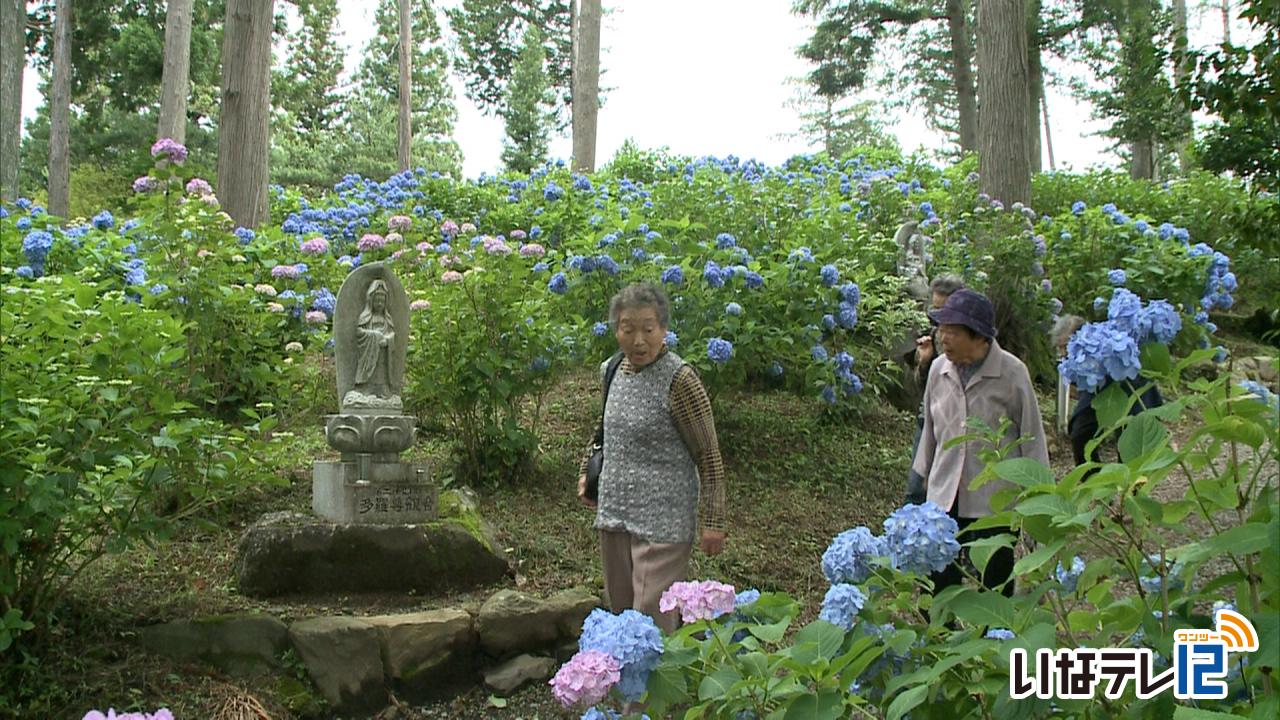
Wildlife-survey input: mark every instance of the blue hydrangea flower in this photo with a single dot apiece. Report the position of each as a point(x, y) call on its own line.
point(725, 241)
point(558, 284)
point(829, 322)
point(599, 329)
point(673, 275)
point(830, 275)
point(135, 272)
point(746, 597)
point(36, 246)
point(1125, 312)
point(594, 713)
point(632, 639)
point(753, 280)
point(1258, 392)
point(847, 315)
point(552, 192)
point(581, 183)
point(850, 293)
point(719, 350)
point(828, 394)
point(733, 308)
point(712, 273)
point(324, 301)
point(1098, 351)
point(999, 634)
point(1068, 578)
point(671, 339)
point(157, 288)
point(607, 265)
point(1151, 581)
point(801, 254)
point(775, 369)
point(639, 254)
point(841, 605)
point(652, 236)
point(848, 558)
point(23, 223)
point(540, 267)
point(844, 361)
point(244, 235)
point(921, 538)
point(1163, 319)
point(539, 364)
point(25, 271)
point(104, 220)
point(1117, 277)
point(819, 353)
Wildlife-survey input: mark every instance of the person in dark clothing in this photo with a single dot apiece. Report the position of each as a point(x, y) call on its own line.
point(1082, 425)
point(919, 362)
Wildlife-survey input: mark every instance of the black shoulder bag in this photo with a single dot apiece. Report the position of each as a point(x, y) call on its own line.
point(596, 463)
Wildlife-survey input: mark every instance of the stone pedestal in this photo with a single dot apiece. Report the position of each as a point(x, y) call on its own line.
point(377, 493)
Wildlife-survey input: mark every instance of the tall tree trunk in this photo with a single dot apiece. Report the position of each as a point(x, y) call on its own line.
point(1226, 22)
point(1142, 160)
point(244, 124)
point(1035, 82)
point(175, 78)
point(1180, 73)
point(403, 155)
point(1004, 152)
point(60, 112)
point(13, 25)
point(1048, 134)
point(962, 73)
point(586, 89)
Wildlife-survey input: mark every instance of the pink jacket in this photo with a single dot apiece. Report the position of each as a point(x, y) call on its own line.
point(1001, 388)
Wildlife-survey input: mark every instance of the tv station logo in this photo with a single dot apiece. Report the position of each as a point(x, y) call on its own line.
point(1198, 673)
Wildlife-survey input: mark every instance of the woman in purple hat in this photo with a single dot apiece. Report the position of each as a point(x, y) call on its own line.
point(975, 377)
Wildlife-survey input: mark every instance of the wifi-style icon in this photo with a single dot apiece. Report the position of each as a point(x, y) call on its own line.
point(1236, 632)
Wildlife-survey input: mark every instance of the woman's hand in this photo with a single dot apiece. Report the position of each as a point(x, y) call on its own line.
point(712, 541)
point(582, 493)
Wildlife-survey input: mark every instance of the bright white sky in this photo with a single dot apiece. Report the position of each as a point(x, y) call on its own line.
point(708, 77)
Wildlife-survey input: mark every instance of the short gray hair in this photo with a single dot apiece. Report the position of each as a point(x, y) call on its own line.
point(1063, 328)
point(640, 295)
point(946, 284)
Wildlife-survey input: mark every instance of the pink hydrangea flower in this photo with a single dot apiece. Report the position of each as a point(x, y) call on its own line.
point(425, 246)
point(265, 289)
point(371, 242)
point(171, 149)
point(468, 228)
point(447, 260)
point(209, 199)
point(494, 246)
point(275, 307)
point(451, 276)
point(199, 186)
point(294, 346)
point(286, 271)
point(316, 317)
point(145, 184)
point(696, 601)
point(533, 250)
point(419, 305)
point(317, 245)
point(395, 237)
point(396, 255)
point(449, 227)
point(518, 234)
point(586, 678)
point(400, 223)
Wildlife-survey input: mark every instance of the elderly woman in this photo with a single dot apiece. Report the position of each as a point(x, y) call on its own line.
point(974, 378)
point(920, 360)
point(662, 482)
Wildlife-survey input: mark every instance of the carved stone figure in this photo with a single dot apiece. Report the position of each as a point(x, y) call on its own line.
point(375, 335)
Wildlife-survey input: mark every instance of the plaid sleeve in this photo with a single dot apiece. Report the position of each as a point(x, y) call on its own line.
point(691, 410)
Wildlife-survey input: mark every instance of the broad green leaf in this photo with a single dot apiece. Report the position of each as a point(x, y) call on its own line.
point(827, 705)
point(1186, 712)
point(715, 685)
point(904, 703)
point(828, 637)
point(1052, 505)
point(986, 609)
point(1155, 357)
point(1243, 539)
point(1039, 557)
point(1024, 471)
point(1110, 405)
point(980, 551)
point(1144, 434)
point(771, 633)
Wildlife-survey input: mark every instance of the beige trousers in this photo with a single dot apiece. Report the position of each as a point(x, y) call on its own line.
point(637, 572)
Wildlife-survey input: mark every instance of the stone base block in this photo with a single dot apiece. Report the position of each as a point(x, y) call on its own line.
point(288, 553)
point(377, 493)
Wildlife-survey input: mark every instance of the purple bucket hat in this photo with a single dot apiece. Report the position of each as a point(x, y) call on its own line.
point(969, 308)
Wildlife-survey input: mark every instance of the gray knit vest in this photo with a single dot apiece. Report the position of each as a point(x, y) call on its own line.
point(649, 484)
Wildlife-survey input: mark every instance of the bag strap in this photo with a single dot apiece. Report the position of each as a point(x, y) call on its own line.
point(609, 372)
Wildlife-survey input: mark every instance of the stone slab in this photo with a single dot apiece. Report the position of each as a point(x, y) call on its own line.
point(393, 494)
point(286, 553)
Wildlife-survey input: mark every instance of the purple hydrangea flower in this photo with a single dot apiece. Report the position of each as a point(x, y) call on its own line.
point(171, 149)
